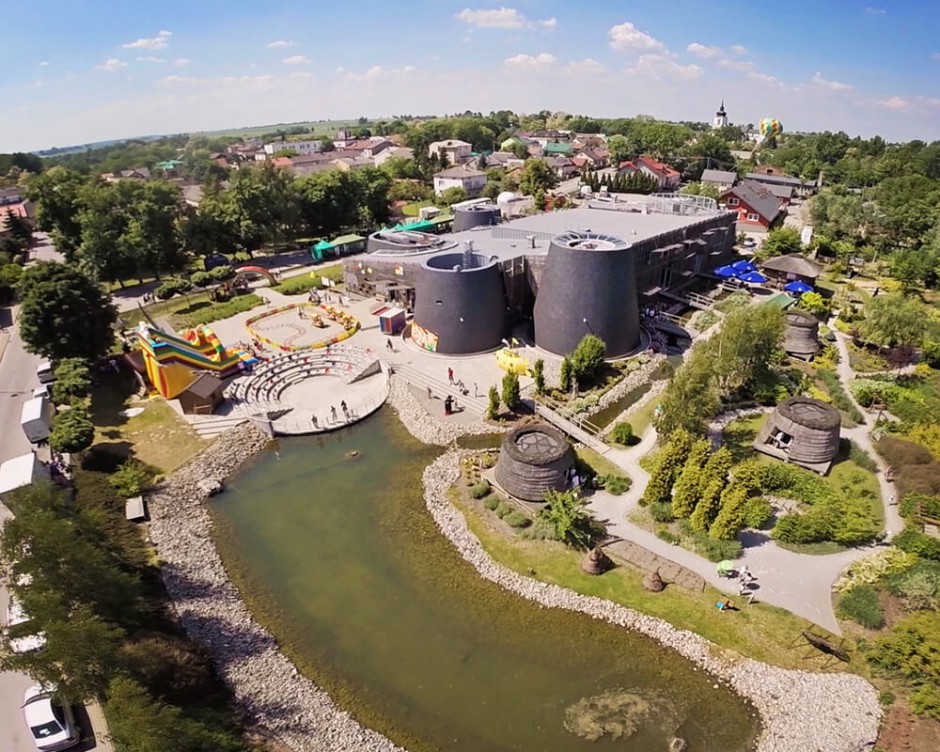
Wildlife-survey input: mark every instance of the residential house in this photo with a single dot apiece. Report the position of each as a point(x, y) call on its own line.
point(564, 168)
point(505, 159)
point(352, 163)
point(514, 140)
point(303, 148)
point(535, 149)
point(557, 148)
point(589, 141)
point(141, 173)
point(369, 147)
point(19, 206)
point(783, 192)
point(720, 179)
point(311, 163)
point(192, 195)
point(460, 176)
point(598, 156)
point(398, 152)
point(757, 208)
point(667, 178)
point(457, 152)
point(793, 266)
point(770, 175)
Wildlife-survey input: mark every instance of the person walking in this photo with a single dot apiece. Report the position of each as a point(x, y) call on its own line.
point(389, 346)
point(344, 408)
point(430, 396)
point(450, 375)
point(333, 412)
point(316, 423)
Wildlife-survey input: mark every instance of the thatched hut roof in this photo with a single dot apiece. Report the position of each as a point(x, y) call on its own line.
point(534, 459)
point(801, 336)
point(595, 561)
point(804, 431)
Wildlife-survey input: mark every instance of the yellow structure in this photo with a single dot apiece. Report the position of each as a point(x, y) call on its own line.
point(511, 362)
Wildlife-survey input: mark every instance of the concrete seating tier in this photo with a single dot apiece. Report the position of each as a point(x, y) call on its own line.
point(264, 387)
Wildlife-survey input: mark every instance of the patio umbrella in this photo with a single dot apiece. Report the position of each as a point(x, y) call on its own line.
point(726, 272)
point(743, 266)
point(753, 278)
point(725, 567)
point(798, 286)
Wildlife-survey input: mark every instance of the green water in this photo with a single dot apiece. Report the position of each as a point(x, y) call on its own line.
point(341, 560)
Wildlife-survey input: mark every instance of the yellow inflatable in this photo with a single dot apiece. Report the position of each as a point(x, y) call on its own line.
point(511, 362)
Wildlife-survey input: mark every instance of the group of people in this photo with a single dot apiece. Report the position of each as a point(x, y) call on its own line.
point(461, 387)
point(148, 297)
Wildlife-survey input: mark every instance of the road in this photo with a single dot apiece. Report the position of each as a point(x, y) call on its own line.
point(17, 379)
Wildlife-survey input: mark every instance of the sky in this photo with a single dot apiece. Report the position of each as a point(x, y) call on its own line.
point(78, 72)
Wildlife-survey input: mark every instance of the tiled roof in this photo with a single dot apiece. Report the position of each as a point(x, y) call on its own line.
point(460, 171)
point(757, 197)
point(657, 167)
point(719, 176)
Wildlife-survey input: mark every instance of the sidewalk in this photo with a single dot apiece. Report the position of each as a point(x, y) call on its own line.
point(102, 742)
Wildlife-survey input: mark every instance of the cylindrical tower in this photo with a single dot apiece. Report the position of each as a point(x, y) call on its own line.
point(460, 304)
point(480, 215)
point(588, 286)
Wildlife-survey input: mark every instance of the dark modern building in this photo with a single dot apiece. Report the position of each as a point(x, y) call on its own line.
point(460, 304)
point(588, 286)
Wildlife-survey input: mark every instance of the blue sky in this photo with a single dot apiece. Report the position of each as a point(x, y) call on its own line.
point(100, 69)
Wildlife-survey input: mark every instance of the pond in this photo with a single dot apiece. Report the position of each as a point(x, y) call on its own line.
point(339, 558)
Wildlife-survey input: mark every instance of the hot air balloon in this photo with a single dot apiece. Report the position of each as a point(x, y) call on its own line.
point(770, 127)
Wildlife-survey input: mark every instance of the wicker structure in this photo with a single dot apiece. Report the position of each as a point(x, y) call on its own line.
point(801, 337)
point(595, 561)
point(534, 459)
point(803, 431)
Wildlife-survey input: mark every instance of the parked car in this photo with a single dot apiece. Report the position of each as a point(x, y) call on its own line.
point(45, 372)
point(16, 616)
point(51, 723)
point(749, 243)
point(41, 391)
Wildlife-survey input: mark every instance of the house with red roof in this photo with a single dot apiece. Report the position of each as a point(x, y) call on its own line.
point(663, 174)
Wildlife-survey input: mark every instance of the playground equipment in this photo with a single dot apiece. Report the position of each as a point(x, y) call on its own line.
point(335, 314)
point(170, 361)
point(317, 315)
point(511, 362)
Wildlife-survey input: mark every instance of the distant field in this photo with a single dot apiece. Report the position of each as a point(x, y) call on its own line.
point(319, 126)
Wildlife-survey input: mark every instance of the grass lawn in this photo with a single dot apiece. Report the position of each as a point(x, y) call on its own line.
point(192, 309)
point(300, 284)
point(642, 419)
point(157, 436)
point(598, 462)
point(757, 631)
point(412, 209)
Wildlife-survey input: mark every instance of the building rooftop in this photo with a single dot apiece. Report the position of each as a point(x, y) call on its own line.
point(719, 176)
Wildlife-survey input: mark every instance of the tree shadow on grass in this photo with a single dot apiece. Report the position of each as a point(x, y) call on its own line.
point(110, 397)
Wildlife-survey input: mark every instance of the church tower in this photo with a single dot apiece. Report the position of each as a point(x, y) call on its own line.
point(721, 117)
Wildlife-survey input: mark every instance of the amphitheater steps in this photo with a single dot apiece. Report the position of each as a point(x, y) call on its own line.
point(421, 380)
point(210, 426)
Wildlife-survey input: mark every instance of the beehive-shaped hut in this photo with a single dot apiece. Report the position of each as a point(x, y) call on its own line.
point(803, 431)
point(535, 458)
point(801, 336)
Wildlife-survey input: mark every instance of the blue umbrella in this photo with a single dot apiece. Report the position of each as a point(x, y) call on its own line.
point(753, 278)
point(726, 272)
point(743, 266)
point(798, 286)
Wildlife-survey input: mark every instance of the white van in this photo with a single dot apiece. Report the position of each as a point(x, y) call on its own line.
point(45, 373)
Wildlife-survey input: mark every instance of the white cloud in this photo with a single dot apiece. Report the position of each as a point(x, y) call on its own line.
point(875, 11)
point(297, 60)
point(181, 61)
point(44, 63)
point(894, 103)
point(626, 36)
point(703, 51)
point(741, 65)
point(831, 85)
point(764, 78)
point(586, 68)
point(738, 49)
point(542, 61)
point(378, 73)
point(548, 23)
point(239, 82)
point(656, 65)
point(497, 18)
point(111, 64)
point(150, 59)
point(281, 43)
point(160, 41)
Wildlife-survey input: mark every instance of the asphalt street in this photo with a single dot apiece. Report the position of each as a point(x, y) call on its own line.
point(17, 380)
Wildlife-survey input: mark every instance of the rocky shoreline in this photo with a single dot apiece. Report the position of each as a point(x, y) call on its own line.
point(799, 710)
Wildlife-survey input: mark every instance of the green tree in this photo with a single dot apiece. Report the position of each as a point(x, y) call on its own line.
point(537, 179)
point(451, 196)
point(701, 189)
point(669, 465)
point(9, 280)
point(621, 150)
point(72, 431)
point(892, 320)
point(56, 195)
point(730, 516)
point(511, 396)
point(587, 358)
point(72, 380)
point(538, 374)
point(566, 374)
point(132, 478)
point(742, 353)
point(141, 723)
point(713, 479)
point(691, 398)
point(566, 515)
point(492, 408)
point(688, 485)
point(63, 313)
point(781, 241)
point(814, 303)
point(18, 228)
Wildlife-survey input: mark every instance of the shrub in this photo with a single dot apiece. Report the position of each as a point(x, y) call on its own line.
point(488, 460)
point(860, 604)
point(757, 512)
point(661, 511)
point(566, 374)
point(669, 464)
point(914, 541)
point(517, 519)
point(919, 586)
point(491, 501)
point(662, 532)
point(861, 458)
point(870, 391)
point(493, 402)
point(582, 404)
point(839, 398)
point(504, 509)
point(201, 279)
point(911, 652)
point(898, 452)
point(480, 490)
point(72, 431)
point(622, 434)
point(730, 517)
point(511, 395)
point(538, 374)
point(72, 380)
point(566, 515)
point(173, 287)
point(812, 526)
point(888, 562)
point(616, 484)
point(588, 357)
point(716, 550)
point(131, 479)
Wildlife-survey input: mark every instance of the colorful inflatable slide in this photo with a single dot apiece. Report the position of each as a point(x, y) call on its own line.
point(171, 361)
